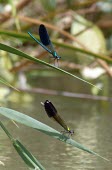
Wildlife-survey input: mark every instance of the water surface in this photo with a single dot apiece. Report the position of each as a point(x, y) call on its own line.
point(91, 121)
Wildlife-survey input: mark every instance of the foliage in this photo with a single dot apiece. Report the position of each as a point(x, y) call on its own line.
point(27, 157)
point(28, 121)
point(70, 25)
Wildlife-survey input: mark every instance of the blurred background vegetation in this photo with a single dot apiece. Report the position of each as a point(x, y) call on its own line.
point(80, 30)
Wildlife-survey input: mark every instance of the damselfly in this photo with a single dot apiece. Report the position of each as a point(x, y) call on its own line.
point(45, 41)
point(52, 113)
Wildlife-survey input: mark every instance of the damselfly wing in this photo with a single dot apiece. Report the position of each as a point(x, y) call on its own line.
point(52, 113)
point(45, 41)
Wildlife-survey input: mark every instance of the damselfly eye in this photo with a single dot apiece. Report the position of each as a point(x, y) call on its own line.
point(71, 132)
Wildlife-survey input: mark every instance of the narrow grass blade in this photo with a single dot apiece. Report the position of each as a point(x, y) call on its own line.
point(7, 84)
point(20, 53)
point(27, 157)
point(6, 131)
point(28, 121)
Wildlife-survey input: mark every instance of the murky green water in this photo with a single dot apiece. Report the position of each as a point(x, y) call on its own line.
point(91, 121)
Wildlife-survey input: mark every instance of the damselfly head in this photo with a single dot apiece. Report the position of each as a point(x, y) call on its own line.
point(71, 132)
point(56, 56)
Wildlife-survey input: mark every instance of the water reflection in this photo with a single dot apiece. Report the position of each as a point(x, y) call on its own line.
point(90, 120)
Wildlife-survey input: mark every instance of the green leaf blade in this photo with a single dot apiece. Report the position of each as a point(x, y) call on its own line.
point(22, 54)
point(26, 120)
point(7, 84)
point(26, 156)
